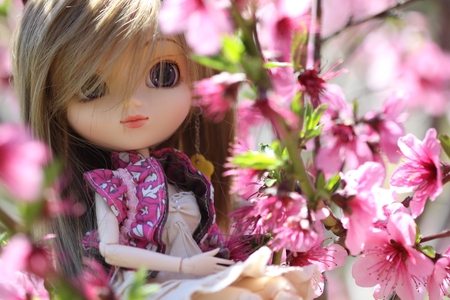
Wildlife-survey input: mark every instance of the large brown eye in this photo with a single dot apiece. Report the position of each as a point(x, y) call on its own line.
point(93, 89)
point(163, 74)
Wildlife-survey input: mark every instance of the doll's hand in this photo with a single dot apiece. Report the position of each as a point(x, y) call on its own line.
point(204, 264)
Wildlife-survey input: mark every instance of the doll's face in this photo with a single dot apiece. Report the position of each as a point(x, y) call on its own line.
point(155, 110)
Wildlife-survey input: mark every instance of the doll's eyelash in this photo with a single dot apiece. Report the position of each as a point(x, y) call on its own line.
point(92, 89)
point(164, 74)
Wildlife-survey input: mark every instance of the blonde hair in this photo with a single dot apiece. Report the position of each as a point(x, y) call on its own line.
point(62, 44)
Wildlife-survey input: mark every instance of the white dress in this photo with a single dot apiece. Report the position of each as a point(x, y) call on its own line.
point(183, 218)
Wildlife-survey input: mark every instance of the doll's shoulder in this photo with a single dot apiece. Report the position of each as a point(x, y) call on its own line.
point(174, 162)
point(133, 181)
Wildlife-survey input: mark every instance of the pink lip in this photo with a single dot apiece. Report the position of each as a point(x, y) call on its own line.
point(134, 121)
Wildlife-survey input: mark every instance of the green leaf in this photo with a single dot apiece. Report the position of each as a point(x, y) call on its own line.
point(312, 128)
point(445, 143)
point(270, 182)
point(233, 48)
point(4, 8)
point(296, 105)
point(418, 236)
point(31, 211)
point(218, 62)
point(320, 181)
point(355, 108)
point(52, 172)
point(428, 251)
point(299, 40)
point(139, 290)
point(333, 183)
point(253, 67)
point(313, 119)
point(276, 64)
point(277, 148)
point(61, 289)
point(3, 237)
point(310, 134)
point(256, 160)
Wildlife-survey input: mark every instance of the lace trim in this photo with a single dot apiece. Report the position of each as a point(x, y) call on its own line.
point(132, 203)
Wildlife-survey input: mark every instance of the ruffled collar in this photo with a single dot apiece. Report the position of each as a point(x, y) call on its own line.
point(125, 159)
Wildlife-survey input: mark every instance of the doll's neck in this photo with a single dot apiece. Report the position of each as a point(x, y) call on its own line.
point(144, 152)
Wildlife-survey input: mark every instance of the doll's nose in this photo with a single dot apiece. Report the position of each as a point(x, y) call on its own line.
point(135, 101)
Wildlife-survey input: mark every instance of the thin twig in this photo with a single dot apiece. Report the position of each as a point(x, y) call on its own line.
point(383, 14)
point(277, 256)
point(318, 36)
point(332, 223)
point(443, 234)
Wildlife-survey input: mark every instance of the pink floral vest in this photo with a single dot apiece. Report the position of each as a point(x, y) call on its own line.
point(137, 194)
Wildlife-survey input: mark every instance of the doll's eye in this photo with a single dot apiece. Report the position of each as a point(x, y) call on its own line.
point(163, 74)
point(92, 89)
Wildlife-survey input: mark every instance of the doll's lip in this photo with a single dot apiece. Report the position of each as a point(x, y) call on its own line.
point(134, 121)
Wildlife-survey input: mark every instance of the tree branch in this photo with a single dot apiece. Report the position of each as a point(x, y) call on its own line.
point(383, 14)
point(318, 36)
point(443, 234)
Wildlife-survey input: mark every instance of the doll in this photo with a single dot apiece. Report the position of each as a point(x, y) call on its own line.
point(111, 97)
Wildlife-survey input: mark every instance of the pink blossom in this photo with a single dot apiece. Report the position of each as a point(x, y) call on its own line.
point(388, 124)
point(425, 75)
point(243, 237)
point(342, 143)
point(324, 257)
point(246, 233)
point(288, 217)
point(316, 86)
point(245, 182)
point(248, 116)
point(21, 162)
point(94, 282)
point(439, 282)
point(420, 170)
point(276, 114)
point(279, 20)
point(274, 210)
point(391, 262)
point(360, 206)
point(15, 282)
point(208, 17)
point(217, 94)
point(245, 219)
point(284, 84)
point(253, 114)
point(292, 235)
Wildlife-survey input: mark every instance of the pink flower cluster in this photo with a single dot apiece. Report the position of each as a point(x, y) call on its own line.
point(21, 162)
point(359, 140)
point(392, 263)
point(210, 17)
point(420, 172)
point(18, 263)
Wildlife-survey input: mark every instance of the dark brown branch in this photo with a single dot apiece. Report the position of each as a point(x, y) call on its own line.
point(383, 14)
point(318, 37)
point(443, 234)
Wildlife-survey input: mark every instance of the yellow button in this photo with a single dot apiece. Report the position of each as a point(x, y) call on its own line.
point(201, 164)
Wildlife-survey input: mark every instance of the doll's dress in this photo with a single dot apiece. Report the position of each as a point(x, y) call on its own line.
point(183, 219)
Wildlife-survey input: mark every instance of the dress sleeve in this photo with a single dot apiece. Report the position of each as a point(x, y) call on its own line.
point(110, 187)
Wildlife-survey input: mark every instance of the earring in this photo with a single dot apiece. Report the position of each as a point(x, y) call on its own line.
point(199, 161)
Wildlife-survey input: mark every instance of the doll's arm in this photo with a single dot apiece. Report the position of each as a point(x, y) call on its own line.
point(130, 257)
